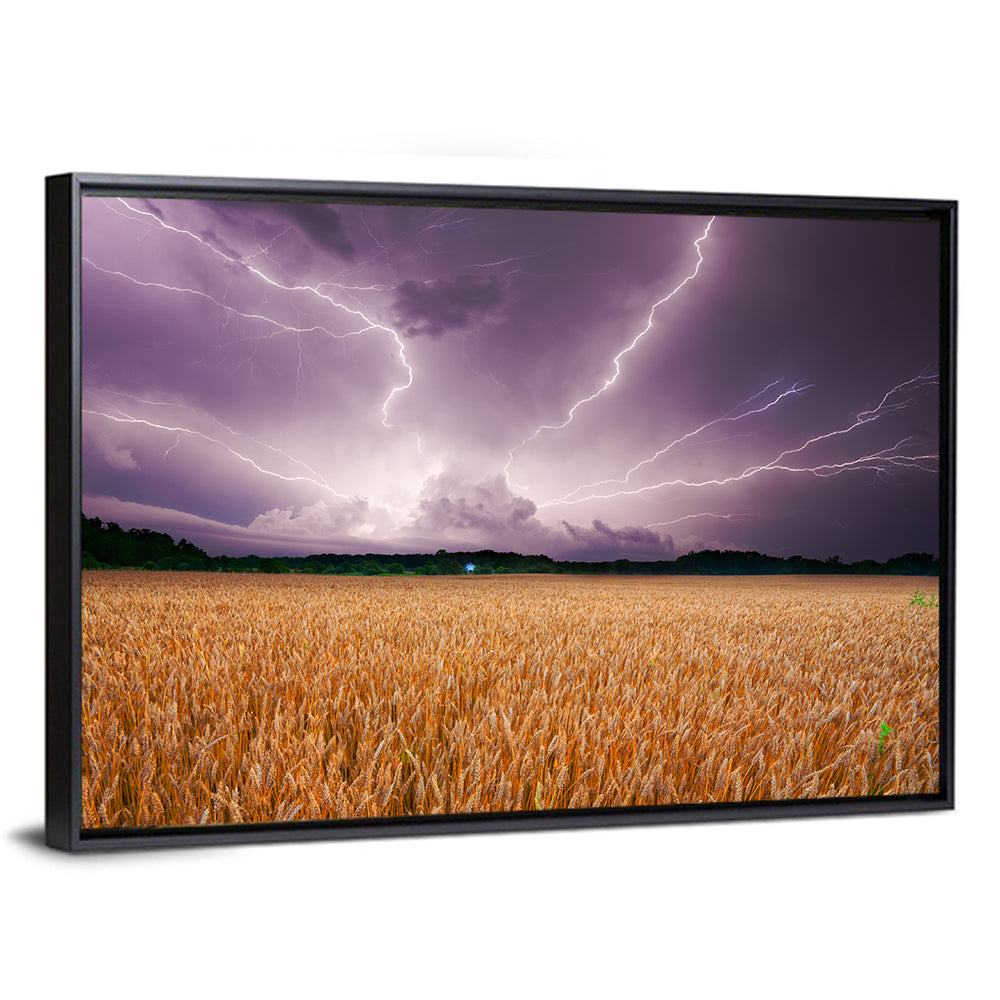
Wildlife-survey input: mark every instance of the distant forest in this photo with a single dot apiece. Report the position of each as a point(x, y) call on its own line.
point(109, 546)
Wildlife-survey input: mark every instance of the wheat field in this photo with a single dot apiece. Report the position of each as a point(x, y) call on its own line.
point(222, 698)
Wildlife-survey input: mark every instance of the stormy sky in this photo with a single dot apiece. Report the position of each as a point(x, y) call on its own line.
point(294, 378)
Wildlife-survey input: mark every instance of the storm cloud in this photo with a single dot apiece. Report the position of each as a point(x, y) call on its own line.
point(319, 224)
point(432, 307)
point(293, 376)
point(488, 507)
point(600, 541)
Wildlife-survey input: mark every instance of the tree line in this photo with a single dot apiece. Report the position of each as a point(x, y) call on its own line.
point(106, 545)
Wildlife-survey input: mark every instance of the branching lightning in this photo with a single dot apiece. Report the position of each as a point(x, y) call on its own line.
point(882, 461)
point(279, 326)
point(691, 517)
point(616, 361)
point(125, 418)
point(215, 420)
point(370, 324)
point(795, 390)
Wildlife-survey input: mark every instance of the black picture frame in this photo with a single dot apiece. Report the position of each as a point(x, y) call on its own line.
point(64, 195)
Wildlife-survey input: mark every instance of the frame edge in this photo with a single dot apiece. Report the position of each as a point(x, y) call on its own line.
point(62, 610)
point(948, 445)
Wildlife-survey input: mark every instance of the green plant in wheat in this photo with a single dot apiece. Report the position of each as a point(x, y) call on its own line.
point(884, 732)
point(923, 599)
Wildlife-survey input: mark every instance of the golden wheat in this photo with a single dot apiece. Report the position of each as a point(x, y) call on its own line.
point(211, 698)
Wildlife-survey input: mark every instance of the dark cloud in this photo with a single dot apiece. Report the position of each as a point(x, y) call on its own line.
point(214, 239)
point(321, 225)
point(151, 207)
point(428, 308)
point(489, 511)
point(600, 541)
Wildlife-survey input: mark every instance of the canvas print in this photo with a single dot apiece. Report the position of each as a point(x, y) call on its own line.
point(398, 509)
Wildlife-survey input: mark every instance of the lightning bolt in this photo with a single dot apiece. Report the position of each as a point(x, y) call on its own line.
point(884, 407)
point(322, 290)
point(380, 245)
point(177, 441)
point(369, 323)
point(279, 326)
point(689, 517)
point(796, 390)
point(616, 361)
point(125, 418)
point(215, 420)
point(882, 461)
point(265, 252)
point(445, 223)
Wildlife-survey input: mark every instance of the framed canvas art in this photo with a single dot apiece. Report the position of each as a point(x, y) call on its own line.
point(397, 509)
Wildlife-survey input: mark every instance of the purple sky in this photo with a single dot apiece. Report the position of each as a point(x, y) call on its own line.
point(291, 378)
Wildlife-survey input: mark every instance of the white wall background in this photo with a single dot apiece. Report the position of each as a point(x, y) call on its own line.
point(847, 99)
